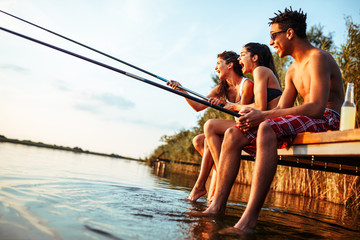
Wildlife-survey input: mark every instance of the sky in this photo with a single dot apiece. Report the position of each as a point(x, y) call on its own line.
point(50, 97)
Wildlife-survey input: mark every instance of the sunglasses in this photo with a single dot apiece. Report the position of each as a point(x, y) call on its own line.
point(273, 35)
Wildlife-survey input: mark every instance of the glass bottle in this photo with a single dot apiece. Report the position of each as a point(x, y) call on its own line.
point(348, 109)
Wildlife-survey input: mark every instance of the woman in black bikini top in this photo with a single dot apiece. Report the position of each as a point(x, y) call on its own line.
point(256, 58)
point(273, 93)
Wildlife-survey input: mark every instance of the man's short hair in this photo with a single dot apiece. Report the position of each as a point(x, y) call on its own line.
point(291, 19)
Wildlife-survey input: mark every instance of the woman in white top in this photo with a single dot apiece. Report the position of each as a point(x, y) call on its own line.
point(233, 87)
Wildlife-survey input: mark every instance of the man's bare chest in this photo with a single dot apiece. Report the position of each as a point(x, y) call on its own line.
point(302, 81)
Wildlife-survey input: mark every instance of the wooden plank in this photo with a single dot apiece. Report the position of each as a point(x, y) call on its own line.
point(332, 151)
point(323, 149)
point(321, 166)
point(328, 137)
point(345, 165)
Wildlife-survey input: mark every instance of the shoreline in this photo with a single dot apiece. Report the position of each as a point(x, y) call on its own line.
point(70, 149)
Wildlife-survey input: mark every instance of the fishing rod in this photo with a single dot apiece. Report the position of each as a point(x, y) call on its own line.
point(123, 72)
point(104, 54)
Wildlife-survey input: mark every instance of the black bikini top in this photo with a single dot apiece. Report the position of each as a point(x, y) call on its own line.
point(273, 93)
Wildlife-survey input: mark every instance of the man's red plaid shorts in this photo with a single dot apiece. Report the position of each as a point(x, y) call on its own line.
point(286, 128)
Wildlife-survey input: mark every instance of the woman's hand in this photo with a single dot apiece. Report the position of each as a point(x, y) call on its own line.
point(232, 106)
point(216, 101)
point(174, 85)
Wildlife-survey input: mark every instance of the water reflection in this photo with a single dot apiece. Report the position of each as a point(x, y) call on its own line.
point(159, 168)
point(283, 215)
point(48, 194)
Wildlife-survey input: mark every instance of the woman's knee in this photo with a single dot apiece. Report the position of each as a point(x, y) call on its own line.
point(198, 141)
point(209, 125)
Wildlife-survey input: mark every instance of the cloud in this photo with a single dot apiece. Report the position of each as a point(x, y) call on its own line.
point(114, 100)
point(97, 103)
point(61, 85)
point(168, 125)
point(14, 68)
point(87, 107)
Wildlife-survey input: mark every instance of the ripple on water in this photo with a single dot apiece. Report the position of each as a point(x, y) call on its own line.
point(58, 195)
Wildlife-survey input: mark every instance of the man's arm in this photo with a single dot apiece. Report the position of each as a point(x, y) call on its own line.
point(316, 92)
point(315, 98)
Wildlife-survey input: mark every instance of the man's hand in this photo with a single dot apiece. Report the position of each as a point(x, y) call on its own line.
point(250, 118)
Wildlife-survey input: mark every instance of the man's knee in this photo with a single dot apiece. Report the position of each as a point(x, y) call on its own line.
point(266, 131)
point(234, 136)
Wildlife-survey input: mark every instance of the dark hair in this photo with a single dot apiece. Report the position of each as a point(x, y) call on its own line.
point(229, 57)
point(291, 19)
point(263, 52)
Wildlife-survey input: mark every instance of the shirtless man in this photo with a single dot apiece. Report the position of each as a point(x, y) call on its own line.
point(314, 75)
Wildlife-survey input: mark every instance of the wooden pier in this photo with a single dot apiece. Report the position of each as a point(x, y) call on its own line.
point(332, 151)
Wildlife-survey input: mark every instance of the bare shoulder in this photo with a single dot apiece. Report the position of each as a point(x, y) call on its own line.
point(261, 70)
point(319, 56)
point(262, 73)
point(323, 62)
point(249, 82)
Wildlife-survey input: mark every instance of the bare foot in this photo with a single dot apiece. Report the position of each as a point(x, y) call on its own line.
point(246, 225)
point(203, 214)
point(232, 231)
point(214, 210)
point(196, 194)
point(209, 212)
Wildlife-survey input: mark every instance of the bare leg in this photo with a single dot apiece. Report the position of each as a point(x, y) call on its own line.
point(211, 191)
point(264, 171)
point(207, 162)
point(229, 165)
point(198, 143)
point(214, 130)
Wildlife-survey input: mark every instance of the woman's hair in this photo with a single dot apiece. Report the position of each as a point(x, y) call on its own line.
point(265, 57)
point(229, 57)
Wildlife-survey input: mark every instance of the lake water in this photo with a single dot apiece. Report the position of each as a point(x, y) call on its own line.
point(52, 194)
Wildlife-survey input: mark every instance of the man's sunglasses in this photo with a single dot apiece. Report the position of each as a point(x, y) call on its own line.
point(273, 35)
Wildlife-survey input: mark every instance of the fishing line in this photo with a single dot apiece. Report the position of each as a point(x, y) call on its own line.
point(104, 54)
point(123, 72)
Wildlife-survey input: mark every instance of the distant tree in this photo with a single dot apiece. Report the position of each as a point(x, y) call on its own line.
point(349, 61)
point(179, 146)
point(281, 65)
point(318, 39)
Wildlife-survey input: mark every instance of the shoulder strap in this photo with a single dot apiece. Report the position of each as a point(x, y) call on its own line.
point(242, 85)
